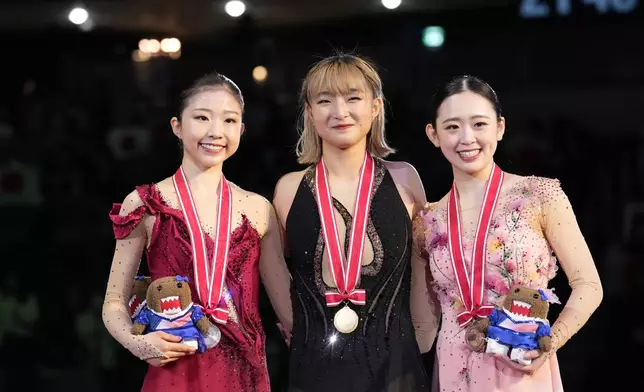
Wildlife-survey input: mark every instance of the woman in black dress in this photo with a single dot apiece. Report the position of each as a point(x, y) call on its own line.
point(360, 319)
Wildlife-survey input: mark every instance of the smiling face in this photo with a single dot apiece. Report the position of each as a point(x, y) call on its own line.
point(343, 109)
point(342, 101)
point(467, 131)
point(210, 127)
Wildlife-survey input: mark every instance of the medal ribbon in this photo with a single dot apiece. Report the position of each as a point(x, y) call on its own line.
point(209, 273)
point(345, 275)
point(471, 288)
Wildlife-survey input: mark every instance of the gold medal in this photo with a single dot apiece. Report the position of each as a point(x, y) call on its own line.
point(345, 320)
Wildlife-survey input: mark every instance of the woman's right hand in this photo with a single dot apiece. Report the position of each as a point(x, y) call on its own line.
point(168, 345)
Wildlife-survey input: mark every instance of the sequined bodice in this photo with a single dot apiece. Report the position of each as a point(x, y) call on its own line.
point(516, 250)
point(168, 253)
point(533, 232)
point(382, 352)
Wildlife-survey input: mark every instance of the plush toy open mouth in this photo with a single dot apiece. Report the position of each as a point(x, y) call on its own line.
point(170, 305)
point(521, 308)
point(136, 303)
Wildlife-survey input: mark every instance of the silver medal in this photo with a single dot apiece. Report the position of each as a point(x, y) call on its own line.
point(212, 337)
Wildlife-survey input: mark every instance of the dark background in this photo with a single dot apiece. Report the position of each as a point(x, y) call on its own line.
point(81, 124)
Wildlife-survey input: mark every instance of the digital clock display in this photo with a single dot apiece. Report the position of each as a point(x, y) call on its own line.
point(539, 9)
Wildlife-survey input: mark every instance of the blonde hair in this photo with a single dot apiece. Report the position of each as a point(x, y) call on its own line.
point(334, 74)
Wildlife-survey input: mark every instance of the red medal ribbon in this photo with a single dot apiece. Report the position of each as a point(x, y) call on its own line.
point(357, 296)
point(220, 314)
point(471, 288)
point(209, 273)
point(345, 275)
point(466, 316)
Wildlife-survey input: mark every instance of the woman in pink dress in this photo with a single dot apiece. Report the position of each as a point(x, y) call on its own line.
point(197, 224)
point(521, 227)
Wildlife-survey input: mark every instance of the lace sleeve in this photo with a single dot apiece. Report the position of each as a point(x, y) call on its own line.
point(125, 264)
point(562, 232)
point(424, 304)
point(273, 270)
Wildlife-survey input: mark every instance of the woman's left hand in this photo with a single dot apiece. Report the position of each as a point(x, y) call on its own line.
point(538, 359)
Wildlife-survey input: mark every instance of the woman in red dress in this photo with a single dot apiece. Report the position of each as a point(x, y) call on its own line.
point(235, 237)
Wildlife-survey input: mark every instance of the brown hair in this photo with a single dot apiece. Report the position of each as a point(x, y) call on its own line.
point(335, 74)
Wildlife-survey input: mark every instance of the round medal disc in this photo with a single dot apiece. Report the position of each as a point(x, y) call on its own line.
point(213, 336)
point(345, 320)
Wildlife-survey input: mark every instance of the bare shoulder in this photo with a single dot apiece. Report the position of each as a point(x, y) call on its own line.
point(168, 192)
point(165, 185)
point(288, 183)
point(285, 191)
point(400, 168)
point(406, 177)
point(403, 173)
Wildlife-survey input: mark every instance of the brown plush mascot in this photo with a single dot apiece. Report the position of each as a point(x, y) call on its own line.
point(169, 308)
point(518, 326)
point(139, 292)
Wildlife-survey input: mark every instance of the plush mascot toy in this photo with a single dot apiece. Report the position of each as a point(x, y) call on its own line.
point(169, 308)
point(139, 292)
point(518, 326)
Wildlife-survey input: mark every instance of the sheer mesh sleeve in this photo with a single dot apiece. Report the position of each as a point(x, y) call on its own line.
point(424, 304)
point(131, 239)
point(562, 232)
point(273, 270)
